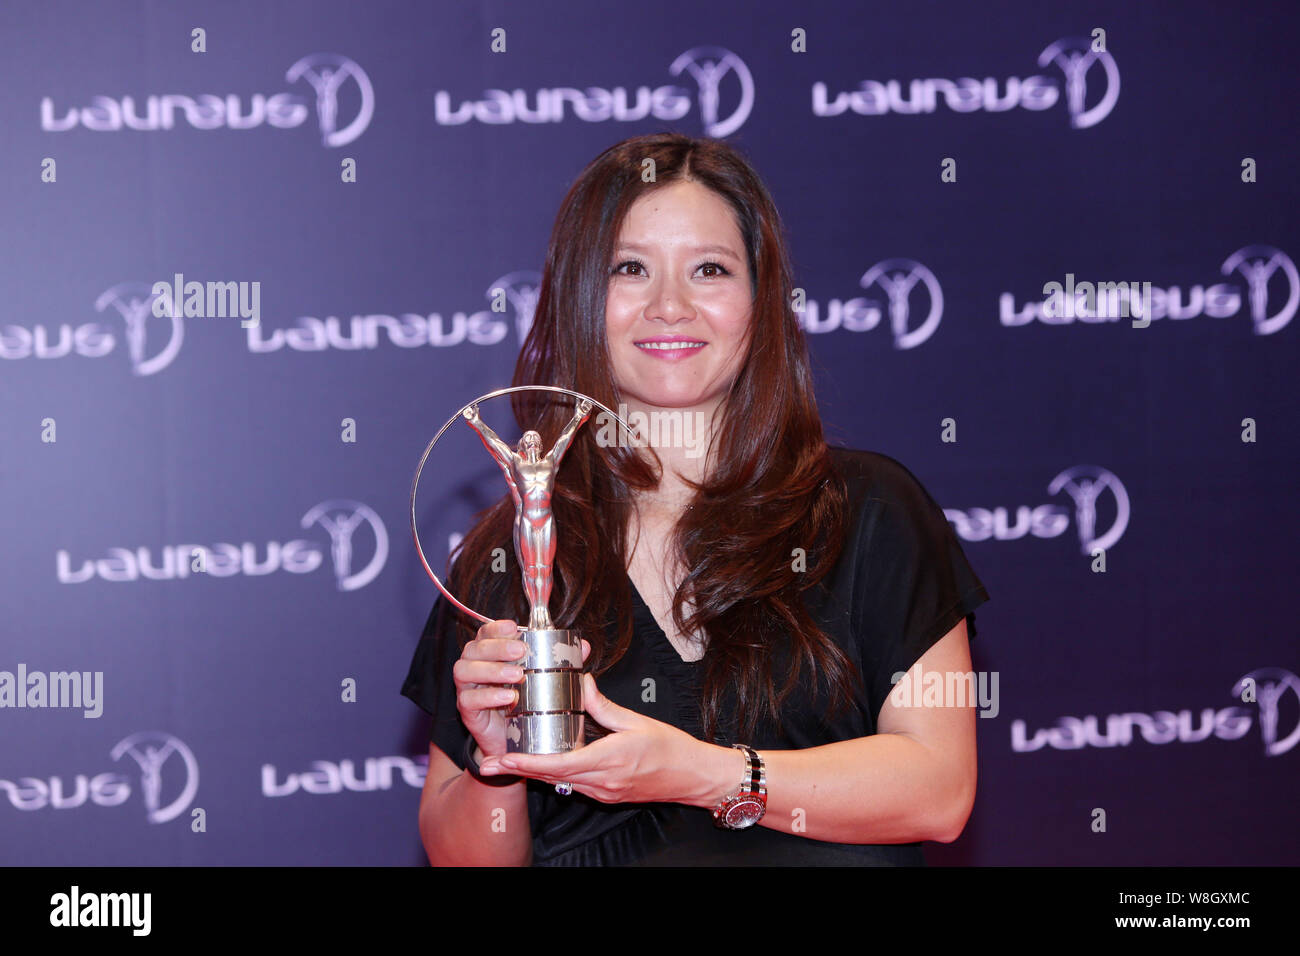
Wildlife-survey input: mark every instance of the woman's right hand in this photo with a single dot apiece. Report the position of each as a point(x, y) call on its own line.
point(486, 677)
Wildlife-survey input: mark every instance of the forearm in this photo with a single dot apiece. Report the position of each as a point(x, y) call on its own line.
point(467, 823)
point(886, 788)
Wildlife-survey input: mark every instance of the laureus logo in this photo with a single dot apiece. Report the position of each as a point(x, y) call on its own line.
point(1257, 265)
point(340, 518)
point(151, 750)
point(1089, 95)
point(1086, 484)
point(724, 105)
point(134, 302)
point(1268, 688)
point(1270, 295)
point(1271, 684)
point(328, 73)
point(169, 780)
point(1075, 57)
point(709, 66)
point(898, 279)
point(520, 290)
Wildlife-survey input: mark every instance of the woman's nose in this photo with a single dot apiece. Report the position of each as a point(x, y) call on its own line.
point(670, 301)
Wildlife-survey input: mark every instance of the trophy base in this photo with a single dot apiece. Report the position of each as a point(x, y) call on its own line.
point(548, 717)
point(544, 733)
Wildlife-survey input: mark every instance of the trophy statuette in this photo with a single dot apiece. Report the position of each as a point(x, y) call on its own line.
point(548, 715)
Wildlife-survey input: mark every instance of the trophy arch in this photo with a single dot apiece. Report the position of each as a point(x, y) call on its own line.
point(415, 484)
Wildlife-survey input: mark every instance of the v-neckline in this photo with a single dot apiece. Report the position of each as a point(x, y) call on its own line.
point(639, 601)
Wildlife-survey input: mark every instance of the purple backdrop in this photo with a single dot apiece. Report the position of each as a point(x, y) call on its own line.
point(937, 166)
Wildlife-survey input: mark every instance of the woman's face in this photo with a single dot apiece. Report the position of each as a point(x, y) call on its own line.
point(679, 301)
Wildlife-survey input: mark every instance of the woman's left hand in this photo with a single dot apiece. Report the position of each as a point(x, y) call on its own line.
point(643, 760)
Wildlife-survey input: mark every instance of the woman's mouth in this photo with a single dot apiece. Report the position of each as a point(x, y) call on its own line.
point(668, 346)
point(674, 346)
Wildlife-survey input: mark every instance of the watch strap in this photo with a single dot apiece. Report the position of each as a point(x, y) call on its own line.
point(472, 765)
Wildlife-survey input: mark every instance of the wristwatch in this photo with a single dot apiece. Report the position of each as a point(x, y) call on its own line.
point(747, 805)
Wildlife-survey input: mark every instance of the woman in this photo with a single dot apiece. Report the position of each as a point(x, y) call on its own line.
point(762, 595)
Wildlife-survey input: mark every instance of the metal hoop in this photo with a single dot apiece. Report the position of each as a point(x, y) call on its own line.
point(425, 457)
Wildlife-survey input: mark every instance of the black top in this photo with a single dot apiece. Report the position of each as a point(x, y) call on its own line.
point(900, 584)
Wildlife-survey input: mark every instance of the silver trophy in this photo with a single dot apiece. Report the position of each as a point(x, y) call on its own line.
point(548, 717)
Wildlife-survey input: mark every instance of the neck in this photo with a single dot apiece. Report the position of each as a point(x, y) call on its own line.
point(683, 439)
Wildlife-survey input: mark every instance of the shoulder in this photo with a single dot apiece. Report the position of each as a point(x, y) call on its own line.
point(903, 559)
point(875, 478)
point(891, 514)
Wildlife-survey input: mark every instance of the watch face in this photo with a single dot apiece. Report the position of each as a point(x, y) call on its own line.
point(744, 813)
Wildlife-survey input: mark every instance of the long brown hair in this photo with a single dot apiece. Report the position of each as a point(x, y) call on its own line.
point(772, 489)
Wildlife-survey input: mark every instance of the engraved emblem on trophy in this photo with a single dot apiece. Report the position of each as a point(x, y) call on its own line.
point(548, 716)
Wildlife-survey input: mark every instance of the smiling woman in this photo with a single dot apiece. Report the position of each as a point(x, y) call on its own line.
point(745, 611)
point(677, 313)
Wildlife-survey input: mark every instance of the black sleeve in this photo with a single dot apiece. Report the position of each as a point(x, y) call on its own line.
point(916, 584)
point(430, 683)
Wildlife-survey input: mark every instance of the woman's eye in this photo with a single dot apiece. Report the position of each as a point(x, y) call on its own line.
point(638, 264)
